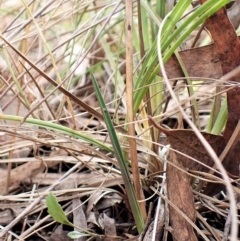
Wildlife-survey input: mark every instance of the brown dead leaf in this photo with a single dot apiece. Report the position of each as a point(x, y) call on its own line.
point(23, 172)
point(191, 153)
point(186, 142)
point(92, 218)
point(109, 227)
point(79, 218)
point(199, 62)
point(189, 147)
point(227, 50)
point(180, 194)
point(59, 234)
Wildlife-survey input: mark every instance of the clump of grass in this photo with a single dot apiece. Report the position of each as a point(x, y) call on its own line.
point(48, 102)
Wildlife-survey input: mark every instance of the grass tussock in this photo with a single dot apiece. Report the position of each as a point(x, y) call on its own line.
point(76, 95)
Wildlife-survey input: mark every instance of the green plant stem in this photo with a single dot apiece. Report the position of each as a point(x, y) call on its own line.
point(58, 128)
point(121, 160)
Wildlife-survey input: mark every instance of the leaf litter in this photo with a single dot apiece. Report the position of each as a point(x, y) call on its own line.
point(93, 192)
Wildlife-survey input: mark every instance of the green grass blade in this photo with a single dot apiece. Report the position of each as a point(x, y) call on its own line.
point(161, 8)
point(191, 23)
point(173, 18)
point(221, 119)
point(121, 160)
point(58, 128)
point(150, 67)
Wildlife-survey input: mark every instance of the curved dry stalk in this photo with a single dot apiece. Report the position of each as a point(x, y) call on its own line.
point(130, 110)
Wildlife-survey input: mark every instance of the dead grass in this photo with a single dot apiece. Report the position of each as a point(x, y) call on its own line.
point(62, 39)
